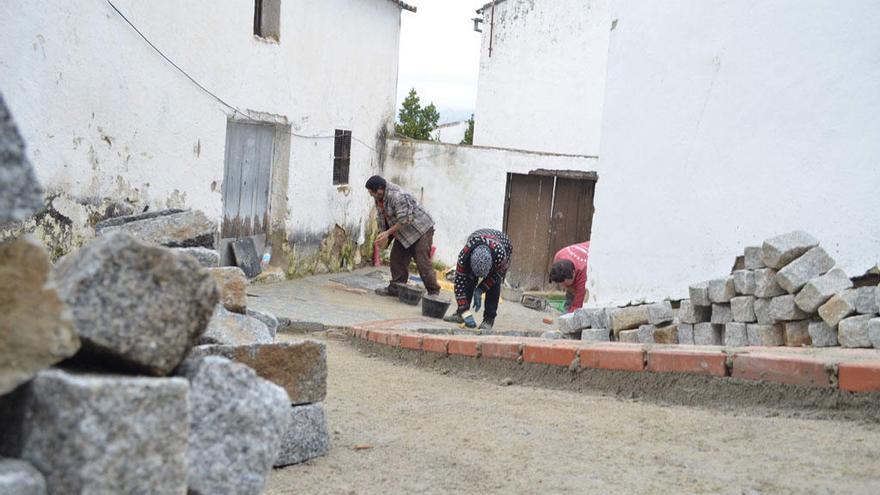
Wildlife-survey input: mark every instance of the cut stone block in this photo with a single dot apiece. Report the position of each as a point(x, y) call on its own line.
point(602, 319)
point(781, 250)
point(690, 313)
point(660, 313)
point(227, 328)
point(269, 320)
point(699, 294)
point(743, 309)
point(100, 433)
point(630, 336)
point(838, 307)
point(814, 263)
point(573, 322)
point(736, 335)
point(184, 229)
point(753, 259)
point(36, 329)
point(721, 314)
point(721, 290)
point(666, 335)
point(708, 334)
point(300, 367)
point(135, 304)
point(853, 331)
point(797, 333)
point(20, 192)
point(744, 282)
point(236, 424)
point(866, 301)
point(233, 287)
point(821, 335)
point(595, 316)
point(629, 318)
point(765, 335)
point(762, 312)
point(874, 332)
point(596, 335)
point(307, 436)
point(783, 308)
point(686, 333)
point(766, 285)
point(552, 335)
point(208, 258)
point(646, 334)
point(817, 291)
point(20, 478)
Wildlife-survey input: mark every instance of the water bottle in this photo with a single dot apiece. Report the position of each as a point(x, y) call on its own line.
point(267, 257)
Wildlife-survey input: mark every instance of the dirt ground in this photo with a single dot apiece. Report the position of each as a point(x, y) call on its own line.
point(434, 430)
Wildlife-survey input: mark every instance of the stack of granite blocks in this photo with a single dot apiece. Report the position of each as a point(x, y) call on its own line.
point(788, 291)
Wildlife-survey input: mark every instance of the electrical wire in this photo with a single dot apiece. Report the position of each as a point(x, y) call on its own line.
point(223, 102)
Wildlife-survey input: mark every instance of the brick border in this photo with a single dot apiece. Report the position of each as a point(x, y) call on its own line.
point(755, 364)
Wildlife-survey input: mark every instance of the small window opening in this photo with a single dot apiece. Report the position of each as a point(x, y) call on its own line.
point(341, 157)
point(267, 19)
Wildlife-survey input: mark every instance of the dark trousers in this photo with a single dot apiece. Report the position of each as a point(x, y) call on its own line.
point(491, 301)
point(421, 251)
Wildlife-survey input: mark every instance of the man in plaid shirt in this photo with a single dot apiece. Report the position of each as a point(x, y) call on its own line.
point(402, 218)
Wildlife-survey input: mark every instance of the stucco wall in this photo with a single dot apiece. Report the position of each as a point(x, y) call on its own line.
point(462, 187)
point(105, 116)
point(726, 123)
point(542, 88)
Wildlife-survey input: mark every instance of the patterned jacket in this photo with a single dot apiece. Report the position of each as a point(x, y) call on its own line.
point(401, 207)
point(501, 249)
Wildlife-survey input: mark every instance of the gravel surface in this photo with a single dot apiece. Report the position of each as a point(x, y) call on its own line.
point(401, 428)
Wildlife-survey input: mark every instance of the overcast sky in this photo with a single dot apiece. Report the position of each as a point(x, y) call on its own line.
point(440, 56)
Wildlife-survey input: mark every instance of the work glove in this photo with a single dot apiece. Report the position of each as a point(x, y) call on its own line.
point(469, 320)
point(478, 299)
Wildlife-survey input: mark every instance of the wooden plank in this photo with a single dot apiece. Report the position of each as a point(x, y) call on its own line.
point(572, 214)
point(527, 223)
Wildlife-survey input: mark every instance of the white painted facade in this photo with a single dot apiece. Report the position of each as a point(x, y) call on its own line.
point(463, 187)
point(105, 116)
point(450, 132)
point(542, 87)
point(729, 122)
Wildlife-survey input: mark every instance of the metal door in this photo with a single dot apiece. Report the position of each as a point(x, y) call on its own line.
point(246, 180)
point(545, 211)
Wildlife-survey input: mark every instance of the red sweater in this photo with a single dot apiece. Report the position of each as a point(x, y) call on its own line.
point(578, 254)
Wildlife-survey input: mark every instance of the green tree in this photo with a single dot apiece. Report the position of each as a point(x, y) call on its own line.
point(469, 132)
point(415, 121)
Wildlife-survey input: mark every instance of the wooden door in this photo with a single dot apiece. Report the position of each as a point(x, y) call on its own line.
point(246, 180)
point(545, 211)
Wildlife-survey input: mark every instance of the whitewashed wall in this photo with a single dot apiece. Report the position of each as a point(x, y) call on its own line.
point(462, 187)
point(104, 115)
point(726, 123)
point(451, 133)
point(542, 88)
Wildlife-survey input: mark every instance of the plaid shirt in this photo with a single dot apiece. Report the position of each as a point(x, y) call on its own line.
point(401, 207)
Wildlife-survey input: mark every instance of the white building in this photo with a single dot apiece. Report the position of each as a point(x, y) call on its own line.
point(542, 75)
point(108, 119)
point(722, 123)
point(450, 132)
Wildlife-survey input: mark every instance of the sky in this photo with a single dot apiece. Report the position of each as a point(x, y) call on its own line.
point(440, 56)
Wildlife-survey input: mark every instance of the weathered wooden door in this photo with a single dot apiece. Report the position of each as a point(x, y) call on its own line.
point(246, 180)
point(545, 211)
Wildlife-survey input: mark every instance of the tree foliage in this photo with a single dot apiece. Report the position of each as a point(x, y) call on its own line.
point(469, 132)
point(416, 121)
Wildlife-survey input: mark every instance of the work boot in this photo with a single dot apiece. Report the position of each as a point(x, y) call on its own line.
point(390, 291)
point(454, 318)
point(487, 324)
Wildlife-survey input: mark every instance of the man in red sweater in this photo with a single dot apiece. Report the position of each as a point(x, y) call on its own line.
point(570, 270)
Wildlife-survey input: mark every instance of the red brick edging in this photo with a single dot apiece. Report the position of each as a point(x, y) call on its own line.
point(706, 360)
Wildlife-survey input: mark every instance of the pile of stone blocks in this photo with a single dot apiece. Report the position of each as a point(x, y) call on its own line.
point(103, 388)
point(789, 292)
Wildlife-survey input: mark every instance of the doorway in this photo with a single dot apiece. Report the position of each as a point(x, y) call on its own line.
point(544, 211)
